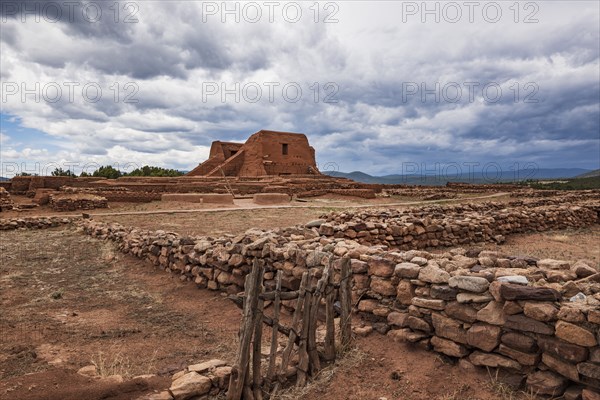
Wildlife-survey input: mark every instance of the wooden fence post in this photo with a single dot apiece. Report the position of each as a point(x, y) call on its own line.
point(287, 352)
point(329, 317)
point(315, 363)
point(303, 347)
point(346, 303)
point(256, 354)
point(276, 307)
point(240, 369)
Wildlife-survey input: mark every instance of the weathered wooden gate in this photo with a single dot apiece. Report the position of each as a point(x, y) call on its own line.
point(249, 383)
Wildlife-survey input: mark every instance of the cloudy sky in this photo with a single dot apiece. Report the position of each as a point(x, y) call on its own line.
point(377, 86)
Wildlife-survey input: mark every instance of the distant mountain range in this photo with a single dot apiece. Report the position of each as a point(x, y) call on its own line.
point(590, 174)
point(477, 177)
point(490, 176)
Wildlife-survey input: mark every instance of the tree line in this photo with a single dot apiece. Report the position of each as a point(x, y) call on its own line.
point(110, 172)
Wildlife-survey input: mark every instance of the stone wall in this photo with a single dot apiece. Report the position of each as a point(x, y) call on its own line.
point(34, 223)
point(538, 320)
point(418, 190)
point(150, 188)
point(72, 202)
point(222, 263)
point(6, 203)
point(115, 194)
point(364, 193)
point(493, 187)
point(453, 225)
point(578, 194)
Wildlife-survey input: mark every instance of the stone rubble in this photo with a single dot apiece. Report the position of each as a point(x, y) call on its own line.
point(201, 381)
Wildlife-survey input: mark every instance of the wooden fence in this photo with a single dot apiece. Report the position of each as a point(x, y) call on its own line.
point(247, 380)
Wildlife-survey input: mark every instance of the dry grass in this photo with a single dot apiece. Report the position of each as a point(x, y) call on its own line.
point(116, 362)
point(506, 392)
point(560, 238)
point(458, 394)
point(351, 358)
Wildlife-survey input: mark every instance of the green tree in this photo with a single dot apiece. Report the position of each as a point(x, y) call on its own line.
point(107, 172)
point(147, 170)
point(61, 172)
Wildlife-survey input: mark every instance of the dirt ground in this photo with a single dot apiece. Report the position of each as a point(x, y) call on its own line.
point(69, 301)
point(221, 222)
point(227, 221)
point(570, 245)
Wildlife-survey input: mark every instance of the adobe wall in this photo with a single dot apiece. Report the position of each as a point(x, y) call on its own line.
point(219, 152)
point(150, 188)
point(271, 198)
point(264, 154)
point(28, 184)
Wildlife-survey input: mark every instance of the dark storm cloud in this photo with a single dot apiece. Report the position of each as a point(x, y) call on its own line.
point(110, 19)
point(123, 38)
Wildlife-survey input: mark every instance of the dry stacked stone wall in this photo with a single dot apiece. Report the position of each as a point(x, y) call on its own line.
point(364, 193)
point(73, 202)
point(537, 320)
point(434, 226)
point(6, 203)
point(34, 223)
point(570, 195)
point(116, 194)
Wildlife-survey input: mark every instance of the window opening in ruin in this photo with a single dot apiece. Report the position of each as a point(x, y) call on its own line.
point(284, 148)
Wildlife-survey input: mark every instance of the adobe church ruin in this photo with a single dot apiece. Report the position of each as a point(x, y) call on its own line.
point(270, 163)
point(264, 153)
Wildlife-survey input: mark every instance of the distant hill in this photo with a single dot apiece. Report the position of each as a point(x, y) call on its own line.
point(591, 182)
point(590, 174)
point(356, 176)
point(491, 176)
point(4, 179)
